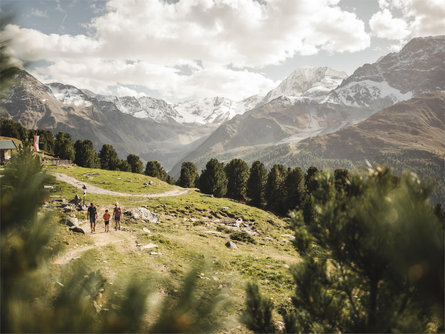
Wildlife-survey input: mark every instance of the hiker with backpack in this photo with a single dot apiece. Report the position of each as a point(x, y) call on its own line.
point(92, 213)
point(117, 213)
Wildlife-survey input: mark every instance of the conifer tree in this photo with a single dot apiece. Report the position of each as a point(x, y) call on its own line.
point(85, 155)
point(237, 173)
point(46, 140)
point(256, 184)
point(108, 158)
point(189, 175)
point(372, 258)
point(213, 179)
point(13, 129)
point(135, 163)
point(155, 169)
point(276, 192)
point(311, 179)
point(296, 189)
point(341, 177)
point(64, 146)
point(123, 166)
point(258, 313)
point(170, 180)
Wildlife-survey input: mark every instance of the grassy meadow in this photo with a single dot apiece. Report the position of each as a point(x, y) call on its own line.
point(193, 228)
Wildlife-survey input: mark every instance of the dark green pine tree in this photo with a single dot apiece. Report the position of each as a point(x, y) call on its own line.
point(64, 146)
point(46, 140)
point(296, 189)
point(155, 169)
point(108, 158)
point(123, 166)
point(237, 173)
point(170, 180)
point(213, 179)
point(189, 175)
point(372, 259)
point(311, 179)
point(276, 192)
point(86, 156)
point(256, 184)
point(12, 129)
point(135, 163)
point(342, 179)
point(258, 313)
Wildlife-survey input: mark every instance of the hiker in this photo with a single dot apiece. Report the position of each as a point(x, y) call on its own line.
point(84, 193)
point(117, 212)
point(92, 212)
point(107, 221)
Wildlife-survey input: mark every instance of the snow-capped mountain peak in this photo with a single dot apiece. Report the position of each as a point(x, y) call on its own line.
point(208, 110)
point(308, 82)
point(416, 69)
point(68, 94)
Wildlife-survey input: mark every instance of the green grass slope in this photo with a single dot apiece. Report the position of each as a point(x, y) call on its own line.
point(192, 227)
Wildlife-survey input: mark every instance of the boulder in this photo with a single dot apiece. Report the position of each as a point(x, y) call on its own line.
point(82, 207)
point(231, 244)
point(146, 230)
point(72, 221)
point(68, 208)
point(77, 229)
point(149, 246)
point(143, 213)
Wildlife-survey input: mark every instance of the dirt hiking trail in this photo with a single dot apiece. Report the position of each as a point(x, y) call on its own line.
point(97, 190)
point(122, 239)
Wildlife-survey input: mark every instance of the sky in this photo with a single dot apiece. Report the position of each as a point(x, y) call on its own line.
point(188, 49)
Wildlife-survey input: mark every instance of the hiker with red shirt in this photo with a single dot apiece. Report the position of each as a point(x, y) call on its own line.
point(107, 217)
point(117, 213)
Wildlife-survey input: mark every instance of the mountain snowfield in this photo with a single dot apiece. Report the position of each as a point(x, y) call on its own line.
point(418, 68)
point(310, 83)
point(394, 78)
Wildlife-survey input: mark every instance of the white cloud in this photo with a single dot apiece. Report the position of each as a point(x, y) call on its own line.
point(224, 35)
point(125, 91)
point(384, 25)
point(416, 18)
point(100, 75)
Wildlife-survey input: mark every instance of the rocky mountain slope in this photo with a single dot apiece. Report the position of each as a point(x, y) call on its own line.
point(309, 82)
point(84, 115)
point(418, 68)
point(417, 125)
point(202, 111)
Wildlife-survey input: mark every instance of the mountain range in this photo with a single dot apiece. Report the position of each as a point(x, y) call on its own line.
point(316, 114)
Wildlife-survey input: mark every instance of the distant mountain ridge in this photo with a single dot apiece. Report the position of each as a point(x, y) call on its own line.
point(418, 68)
point(85, 115)
point(213, 110)
point(310, 102)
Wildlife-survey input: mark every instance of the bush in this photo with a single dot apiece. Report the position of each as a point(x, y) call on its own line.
point(243, 237)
